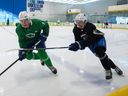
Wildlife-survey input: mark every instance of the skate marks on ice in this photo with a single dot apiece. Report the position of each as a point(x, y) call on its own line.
point(23, 76)
point(33, 71)
point(1, 91)
point(89, 77)
point(93, 79)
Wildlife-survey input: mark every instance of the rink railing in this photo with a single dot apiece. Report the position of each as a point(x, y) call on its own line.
point(98, 25)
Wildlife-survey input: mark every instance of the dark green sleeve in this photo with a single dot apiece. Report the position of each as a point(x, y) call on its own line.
point(21, 39)
point(16, 24)
point(45, 27)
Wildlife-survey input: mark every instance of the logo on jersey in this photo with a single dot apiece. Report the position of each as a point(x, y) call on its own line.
point(30, 35)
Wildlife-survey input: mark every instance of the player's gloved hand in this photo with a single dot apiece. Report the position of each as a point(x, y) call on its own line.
point(74, 46)
point(42, 37)
point(22, 55)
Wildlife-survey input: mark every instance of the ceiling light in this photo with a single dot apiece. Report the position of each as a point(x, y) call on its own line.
point(72, 1)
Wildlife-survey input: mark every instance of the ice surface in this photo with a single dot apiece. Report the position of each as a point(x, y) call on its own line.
point(79, 73)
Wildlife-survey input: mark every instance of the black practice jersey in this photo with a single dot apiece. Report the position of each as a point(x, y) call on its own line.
point(89, 34)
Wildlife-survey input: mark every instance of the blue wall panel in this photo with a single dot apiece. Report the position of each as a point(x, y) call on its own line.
point(19, 5)
point(10, 9)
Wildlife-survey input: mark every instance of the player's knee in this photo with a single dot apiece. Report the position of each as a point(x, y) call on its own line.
point(45, 59)
point(29, 56)
point(100, 52)
point(102, 57)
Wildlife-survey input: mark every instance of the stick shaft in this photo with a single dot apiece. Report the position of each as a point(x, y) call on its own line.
point(9, 66)
point(38, 48)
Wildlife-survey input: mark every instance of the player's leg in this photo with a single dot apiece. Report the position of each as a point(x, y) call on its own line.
point(41, 55)
point(44, 57)
point(34, 56)
point(99, 49)
point(100, 52)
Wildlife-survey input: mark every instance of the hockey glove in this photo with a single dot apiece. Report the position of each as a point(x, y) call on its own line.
point(22, 55)
point(74, 46)
point(42, 37)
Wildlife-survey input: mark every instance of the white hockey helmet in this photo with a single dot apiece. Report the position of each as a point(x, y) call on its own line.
point(80, 17)
point(24, 15)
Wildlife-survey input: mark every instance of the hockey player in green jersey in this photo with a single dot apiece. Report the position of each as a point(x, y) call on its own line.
point(33, 33)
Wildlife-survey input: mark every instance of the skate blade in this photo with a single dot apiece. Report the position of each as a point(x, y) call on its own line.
point(109, 80)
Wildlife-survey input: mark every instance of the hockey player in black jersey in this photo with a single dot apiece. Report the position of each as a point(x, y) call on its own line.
point(86, 35)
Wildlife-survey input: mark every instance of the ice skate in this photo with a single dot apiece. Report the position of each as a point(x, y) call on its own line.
point(118, 71)
point(53, 69)
point(42, 63)
point(108, 74)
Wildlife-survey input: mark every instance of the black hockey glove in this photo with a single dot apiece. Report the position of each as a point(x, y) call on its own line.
point(22, 55)
point(74, 46)
point(42, 37)
point(41, 41)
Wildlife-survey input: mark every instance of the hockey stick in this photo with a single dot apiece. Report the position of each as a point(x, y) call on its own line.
point(9, 66)
point(37, 48)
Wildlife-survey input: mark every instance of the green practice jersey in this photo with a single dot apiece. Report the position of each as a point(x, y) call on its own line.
point(28, 36)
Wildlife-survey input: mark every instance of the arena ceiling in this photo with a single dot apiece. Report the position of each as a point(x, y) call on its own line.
point(72, 1)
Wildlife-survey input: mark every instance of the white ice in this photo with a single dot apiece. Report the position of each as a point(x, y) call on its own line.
point(79, 73)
